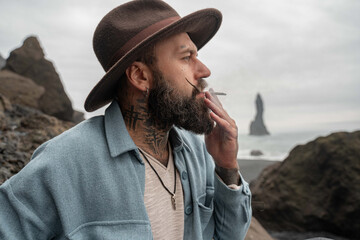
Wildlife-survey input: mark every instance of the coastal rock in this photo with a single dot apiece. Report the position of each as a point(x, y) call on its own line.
point(29, 61)
point(257, 232)
point(20, 90)
point(316, 188)
point(22, 130)
point(78, 117)
point(256, 153)
point(5, 104)
point(257, 127)
point(2, 62)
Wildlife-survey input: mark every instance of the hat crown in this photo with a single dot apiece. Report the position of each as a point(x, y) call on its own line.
point(125, 22)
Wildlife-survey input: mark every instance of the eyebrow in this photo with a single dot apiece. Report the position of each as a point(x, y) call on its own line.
point(185, 49)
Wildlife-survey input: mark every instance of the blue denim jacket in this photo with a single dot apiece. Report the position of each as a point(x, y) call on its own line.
point(88, 183)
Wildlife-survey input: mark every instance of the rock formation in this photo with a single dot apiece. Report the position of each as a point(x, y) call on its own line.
point(29, 61)
point(30, 91)
point(78, 116)
point(22, 130)
point(316, 188)
point(2, 62)
point(20, 90)
point(257, 127)
point(256, 153)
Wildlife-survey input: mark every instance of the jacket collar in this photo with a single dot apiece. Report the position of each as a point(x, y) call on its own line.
point(118, 138)
point(177, 140)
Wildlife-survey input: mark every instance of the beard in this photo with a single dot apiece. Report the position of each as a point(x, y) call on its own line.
point(168, 107)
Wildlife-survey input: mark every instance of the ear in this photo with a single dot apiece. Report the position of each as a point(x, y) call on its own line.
point(139, 75)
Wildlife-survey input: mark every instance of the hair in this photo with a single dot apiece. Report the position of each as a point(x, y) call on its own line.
point(147, 57)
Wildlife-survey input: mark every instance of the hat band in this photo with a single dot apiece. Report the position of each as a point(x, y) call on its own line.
point(140, 37)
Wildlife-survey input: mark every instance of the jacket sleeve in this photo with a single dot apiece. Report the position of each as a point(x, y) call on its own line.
point(25, 205)
point(232, 209)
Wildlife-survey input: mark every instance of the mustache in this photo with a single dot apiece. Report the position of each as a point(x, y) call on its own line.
point(202, 84)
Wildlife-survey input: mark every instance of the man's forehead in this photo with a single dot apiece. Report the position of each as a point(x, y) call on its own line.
point(179, 42)
point(187, 47)
point(187, 42)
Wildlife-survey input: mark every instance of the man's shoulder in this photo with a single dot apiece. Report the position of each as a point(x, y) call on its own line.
point(75, 140)
point(75, 151)
point(88, 130)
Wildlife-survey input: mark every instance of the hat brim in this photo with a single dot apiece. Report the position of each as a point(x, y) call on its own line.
point(201, 26)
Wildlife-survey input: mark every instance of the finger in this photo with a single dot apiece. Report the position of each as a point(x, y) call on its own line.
point(215, 108)
point(218, 110)
point(213, 95)
point(224, 125)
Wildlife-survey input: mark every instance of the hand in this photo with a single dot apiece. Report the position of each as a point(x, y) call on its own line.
point(222, 142)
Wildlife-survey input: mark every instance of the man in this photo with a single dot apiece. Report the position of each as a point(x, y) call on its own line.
point(138, 172)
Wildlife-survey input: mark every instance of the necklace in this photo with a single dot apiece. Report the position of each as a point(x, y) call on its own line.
point(162, 183)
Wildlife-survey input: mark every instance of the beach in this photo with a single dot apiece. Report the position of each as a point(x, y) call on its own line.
point(250, 169)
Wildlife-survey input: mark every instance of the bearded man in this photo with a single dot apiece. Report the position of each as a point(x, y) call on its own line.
point(139, 171)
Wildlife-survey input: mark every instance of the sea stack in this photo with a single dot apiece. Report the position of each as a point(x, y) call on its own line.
point(2, 62)
point(257, 127)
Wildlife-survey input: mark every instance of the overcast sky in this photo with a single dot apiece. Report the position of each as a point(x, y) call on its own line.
point(303, 56)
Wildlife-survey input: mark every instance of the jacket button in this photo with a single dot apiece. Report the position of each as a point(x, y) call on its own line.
point(188, 210)
point(184, 175)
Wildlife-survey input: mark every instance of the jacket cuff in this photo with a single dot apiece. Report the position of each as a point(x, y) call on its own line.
point(227, 193)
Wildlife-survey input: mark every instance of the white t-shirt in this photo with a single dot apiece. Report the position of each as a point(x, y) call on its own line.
point(166, 223)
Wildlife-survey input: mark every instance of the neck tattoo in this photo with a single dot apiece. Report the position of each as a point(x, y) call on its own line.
point(143, 129)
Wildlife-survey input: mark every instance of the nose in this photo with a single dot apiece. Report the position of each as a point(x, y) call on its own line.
point(201, 70)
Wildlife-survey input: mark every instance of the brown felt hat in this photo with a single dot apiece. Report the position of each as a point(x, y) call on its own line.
point(126, 31)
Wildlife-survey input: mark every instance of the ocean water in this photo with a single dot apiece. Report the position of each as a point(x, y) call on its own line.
point(276, 146)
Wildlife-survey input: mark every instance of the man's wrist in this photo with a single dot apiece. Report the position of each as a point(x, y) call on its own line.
point(228, 175)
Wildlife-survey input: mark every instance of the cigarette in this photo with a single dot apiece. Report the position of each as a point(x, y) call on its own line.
point(219, 93)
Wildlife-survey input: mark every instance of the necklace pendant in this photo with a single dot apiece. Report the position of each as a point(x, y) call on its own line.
point(173, 201)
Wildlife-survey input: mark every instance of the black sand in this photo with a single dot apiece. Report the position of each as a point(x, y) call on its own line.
point(250, 169)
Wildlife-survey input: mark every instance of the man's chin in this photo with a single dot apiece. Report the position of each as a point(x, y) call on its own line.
point(203, 127)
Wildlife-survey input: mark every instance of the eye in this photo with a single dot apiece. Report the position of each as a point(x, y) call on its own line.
point(187, 58)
